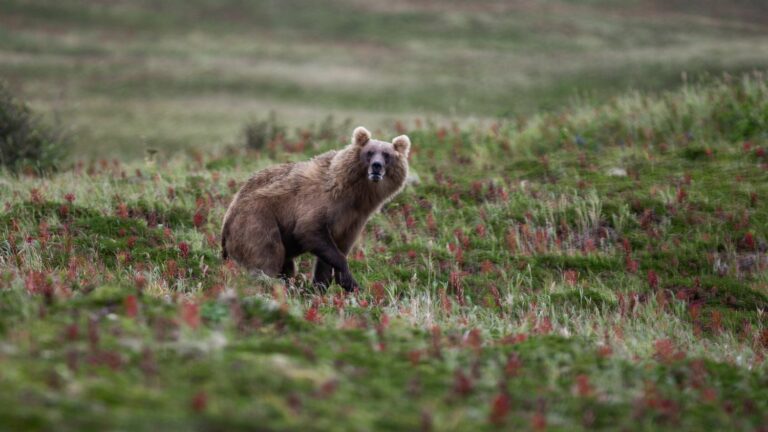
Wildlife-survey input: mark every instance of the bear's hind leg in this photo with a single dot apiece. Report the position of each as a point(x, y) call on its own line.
point(289, 269)
point(267, 258)
point(258, 245)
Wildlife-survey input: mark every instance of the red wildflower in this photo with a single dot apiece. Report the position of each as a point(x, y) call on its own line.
point(199, 401)
point(462, 385)
point(131, 306)
point(184, 249)
point(377, 289)
point(513, 366)
point(653, 280)
point(70, 197)
point(72, 332)
point(626, 246)
point(35, 196)
point(38, 283)
point(456, 198)
point(410, 222)
point(708, 394)
point(383, 321)
point(414, 356)
point(445, 301)
point(474, 339)
point(190, 313)
point(486, 266)
point(605, 351)
point(327, 388)
point(514, 339)
point(500, 406)
point(457, 286)
point(431, 224)
point(665, 352)
point(338, 301)
point(583, 387)
point(716, 321)
point(122, 210)
point(140, 282)
point(496, 296)
point(589, 245)
point(198, 219)
point(312, 314)
point(212, 240)
point(694, 309)
point(359, 255)
point(480, 229)
point(539, 421)
point(571, 277)
point(749, 241)
point(460, 236)
point(437, 341)
point(544, 326)
point(632, 265)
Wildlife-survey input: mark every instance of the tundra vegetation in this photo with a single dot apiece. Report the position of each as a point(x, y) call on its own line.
point(592, 264)
point(604, 267)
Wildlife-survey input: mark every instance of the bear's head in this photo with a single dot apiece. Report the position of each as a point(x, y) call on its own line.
point(381, 157)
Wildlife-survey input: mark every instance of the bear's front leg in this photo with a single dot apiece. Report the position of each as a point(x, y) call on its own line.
point(323, 274)
point(347, 281)
point(321, 244)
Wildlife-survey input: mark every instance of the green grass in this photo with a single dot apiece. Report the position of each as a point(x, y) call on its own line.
point(188, 74)
point(603, 267)
point(585, 249)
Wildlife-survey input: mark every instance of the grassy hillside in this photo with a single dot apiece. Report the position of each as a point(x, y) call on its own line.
point(126, 75)
point(602, 268)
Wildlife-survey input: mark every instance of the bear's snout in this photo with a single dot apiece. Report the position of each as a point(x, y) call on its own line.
point(375, 176)
point(376, 170)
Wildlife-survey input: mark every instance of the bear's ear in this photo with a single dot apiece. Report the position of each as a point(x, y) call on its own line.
point(402, 144)
point(361, 136)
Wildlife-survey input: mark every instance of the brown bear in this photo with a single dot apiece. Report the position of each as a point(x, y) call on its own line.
point(318, 206)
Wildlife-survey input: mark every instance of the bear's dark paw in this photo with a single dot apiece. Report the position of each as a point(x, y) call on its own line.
point(347, 281)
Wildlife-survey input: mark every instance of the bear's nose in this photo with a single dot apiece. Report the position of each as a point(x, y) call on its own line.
point(376, 166)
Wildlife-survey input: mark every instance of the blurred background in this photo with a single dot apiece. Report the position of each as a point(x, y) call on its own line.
point(124, 75)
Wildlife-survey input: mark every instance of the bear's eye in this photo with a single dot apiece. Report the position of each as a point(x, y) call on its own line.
point(369, 154)
point(386, 157)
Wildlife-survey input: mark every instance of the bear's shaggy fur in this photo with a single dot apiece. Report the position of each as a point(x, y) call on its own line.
point(318, 206)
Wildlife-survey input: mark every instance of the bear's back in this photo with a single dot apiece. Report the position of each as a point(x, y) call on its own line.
point(287, 177)
point(267, 176)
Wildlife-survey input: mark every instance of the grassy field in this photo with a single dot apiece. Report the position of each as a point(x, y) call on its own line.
point(586, 246)
point(602, 268)
point(126, 75)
